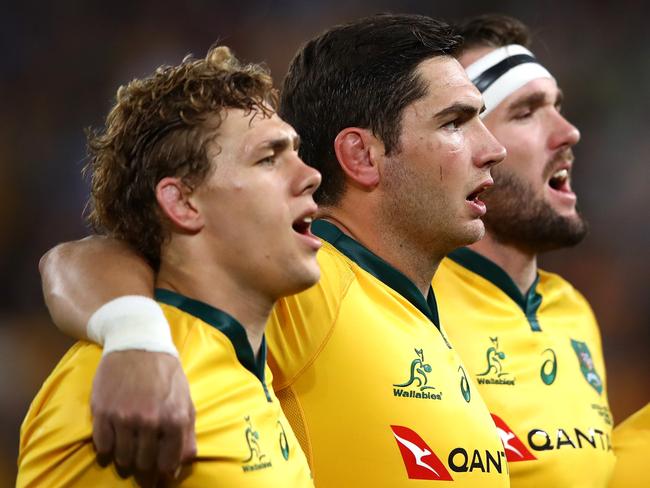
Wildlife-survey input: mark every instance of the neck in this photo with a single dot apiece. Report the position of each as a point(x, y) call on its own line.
point(419, 267)
point(214, 285)
point(521, 266)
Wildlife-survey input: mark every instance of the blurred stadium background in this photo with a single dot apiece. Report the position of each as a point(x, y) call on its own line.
point(62, 62)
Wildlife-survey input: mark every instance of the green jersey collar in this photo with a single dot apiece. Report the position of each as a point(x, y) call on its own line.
point(482, 266)
point(226, 324)
point(379, 268)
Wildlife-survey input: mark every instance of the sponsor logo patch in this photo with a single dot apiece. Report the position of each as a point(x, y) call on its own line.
point(515, 449)
point(464, 385)
point(284, 443)
point(548, 371)
point(495, 373)
point(587, 365)
point(420, 461)
point(540, 440)
point(257, 459)
point(417, 385)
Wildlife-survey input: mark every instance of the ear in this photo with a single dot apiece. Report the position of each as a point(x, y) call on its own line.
point(357, 151)
point(175, 202)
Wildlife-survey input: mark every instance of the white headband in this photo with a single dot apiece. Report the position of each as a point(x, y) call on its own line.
point(502, 72)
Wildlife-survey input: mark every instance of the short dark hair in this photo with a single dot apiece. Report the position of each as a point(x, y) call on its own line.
point(494, 30)
point(360, 74)
point(160, 126)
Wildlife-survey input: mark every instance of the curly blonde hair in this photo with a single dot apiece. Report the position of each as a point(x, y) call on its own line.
point(159, 127)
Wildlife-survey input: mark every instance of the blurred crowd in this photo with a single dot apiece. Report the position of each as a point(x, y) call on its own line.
point(62, 62)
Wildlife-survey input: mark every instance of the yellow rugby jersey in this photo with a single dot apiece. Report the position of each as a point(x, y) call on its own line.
point(631, 441)
point(374, 392)
point(243, 438)
point(538, 364)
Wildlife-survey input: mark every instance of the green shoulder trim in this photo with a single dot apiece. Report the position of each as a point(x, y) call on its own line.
point(379, 268)
point(482, 266)
point(226, 324)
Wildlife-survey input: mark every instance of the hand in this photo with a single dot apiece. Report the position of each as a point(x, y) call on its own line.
point(143, 416)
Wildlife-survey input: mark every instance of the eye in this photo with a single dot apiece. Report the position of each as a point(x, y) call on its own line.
point(452, 124)
point(267, 160)
point(523, 114)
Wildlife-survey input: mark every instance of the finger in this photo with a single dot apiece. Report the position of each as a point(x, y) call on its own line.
point(149, 479)
point(189, 441)
point(189, 447)
point(124, 448)
point(103, 439)
point(170, 449)
point(146, 449)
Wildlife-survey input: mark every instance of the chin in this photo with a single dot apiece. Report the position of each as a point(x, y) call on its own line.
point(571, 214)
point(474, 232)
point(313, 276)
point(464, 237)
point(305, 278)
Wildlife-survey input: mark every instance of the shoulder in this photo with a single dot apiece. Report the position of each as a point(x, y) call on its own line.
point(448, 269)
point(60, 415)
point(301, 324)
point(69, 385)
point(337, 275)
point(554, 286)
point(337, 271)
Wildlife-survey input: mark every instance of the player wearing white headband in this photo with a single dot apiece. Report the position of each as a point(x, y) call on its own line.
point(529, 339)
point(502, 72)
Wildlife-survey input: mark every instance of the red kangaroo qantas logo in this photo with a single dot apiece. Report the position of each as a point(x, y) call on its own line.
point(420, 461)
point(515, 449)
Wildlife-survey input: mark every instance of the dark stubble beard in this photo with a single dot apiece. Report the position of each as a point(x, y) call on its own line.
point(530, 224)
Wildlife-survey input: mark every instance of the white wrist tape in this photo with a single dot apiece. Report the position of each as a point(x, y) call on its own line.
point(131, 322)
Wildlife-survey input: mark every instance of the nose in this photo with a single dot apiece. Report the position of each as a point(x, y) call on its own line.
point(489, 151)
point(308, 179)
point(564, 133)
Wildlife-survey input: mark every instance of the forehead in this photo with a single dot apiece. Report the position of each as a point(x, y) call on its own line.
point(546, 86)
point(244, 132)
point(474, 54)
point(538, 91)
point(447, 83)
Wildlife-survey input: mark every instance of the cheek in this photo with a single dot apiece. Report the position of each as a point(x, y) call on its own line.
point(524, 163)
point(271, 205)
point(452, 155)
point(455, 144)
point(450, 143)
point(522, 145)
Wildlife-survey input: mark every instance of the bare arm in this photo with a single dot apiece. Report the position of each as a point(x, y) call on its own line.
point(80, 276)
point(143, 416)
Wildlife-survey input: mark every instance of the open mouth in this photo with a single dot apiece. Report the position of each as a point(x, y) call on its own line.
point(302, 225)
point(476, 205)
point(559, 180)
point(474, 196)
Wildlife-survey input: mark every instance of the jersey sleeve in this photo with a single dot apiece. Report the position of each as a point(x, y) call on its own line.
point(55, 443)
point(301, 324)
point(631, 445)
point(55, 448)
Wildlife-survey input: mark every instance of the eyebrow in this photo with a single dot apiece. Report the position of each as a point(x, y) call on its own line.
point(535, 99)
point(281, 144)
point(462, 109)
